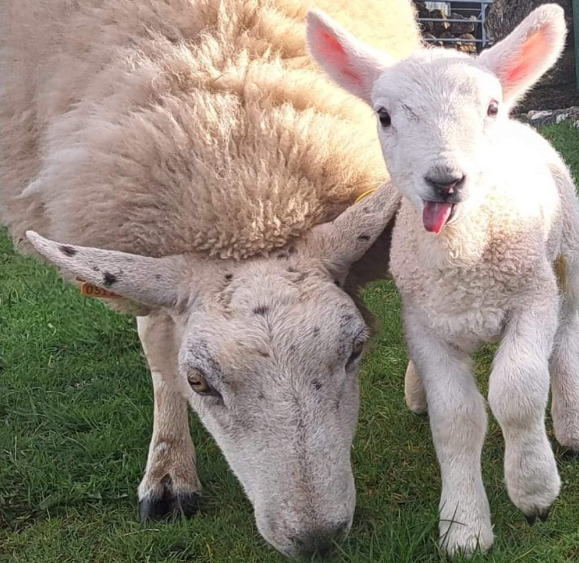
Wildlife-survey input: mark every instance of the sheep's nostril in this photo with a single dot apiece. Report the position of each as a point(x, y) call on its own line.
point(321, 542)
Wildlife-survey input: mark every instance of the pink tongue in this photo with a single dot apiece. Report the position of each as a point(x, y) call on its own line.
point(435, 215)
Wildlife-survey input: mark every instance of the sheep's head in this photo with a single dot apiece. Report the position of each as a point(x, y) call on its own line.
point(269, 350)
point(440, 112)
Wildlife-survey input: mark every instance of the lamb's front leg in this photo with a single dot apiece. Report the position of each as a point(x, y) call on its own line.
point(170, 485)
point(518, 394)
point(458, 423)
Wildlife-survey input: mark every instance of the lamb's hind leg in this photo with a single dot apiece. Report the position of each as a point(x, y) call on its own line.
point(170, 485)
point(518, 394)
point(565, 359)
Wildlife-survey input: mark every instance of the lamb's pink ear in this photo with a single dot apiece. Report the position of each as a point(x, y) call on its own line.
point(351, 63)
point(528, 52)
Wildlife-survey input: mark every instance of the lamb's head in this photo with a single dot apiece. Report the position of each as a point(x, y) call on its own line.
point(269, 350)
point(441, 112)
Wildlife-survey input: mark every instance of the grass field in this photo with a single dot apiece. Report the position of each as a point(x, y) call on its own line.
point(75, 420)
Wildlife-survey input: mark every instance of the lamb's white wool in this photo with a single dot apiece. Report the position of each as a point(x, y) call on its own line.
point(488, 221)
point(196, 142)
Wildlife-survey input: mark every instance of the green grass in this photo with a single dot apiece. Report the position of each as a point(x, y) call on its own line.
point(75, 421)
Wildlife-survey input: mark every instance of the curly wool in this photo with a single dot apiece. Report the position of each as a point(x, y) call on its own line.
point(166, 126)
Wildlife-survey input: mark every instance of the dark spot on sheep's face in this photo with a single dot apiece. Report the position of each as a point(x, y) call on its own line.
point(292, 250)
point(157, 277)
point(68, 250)
point(261, 310)
point(95, 269)
point(337, 282)
point(282, 256)
point(109, 279)
point(316, 331)
point(364, 237)
point(317, 385)
point(228, 277)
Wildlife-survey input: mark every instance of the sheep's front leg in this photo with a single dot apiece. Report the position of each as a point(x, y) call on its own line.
point(518, 394)
point(170, 485)
point(458, 423)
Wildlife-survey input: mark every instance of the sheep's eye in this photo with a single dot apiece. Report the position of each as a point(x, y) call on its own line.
point(199, 384)
point(356, 352)
point(384, 118)
point(493, 109)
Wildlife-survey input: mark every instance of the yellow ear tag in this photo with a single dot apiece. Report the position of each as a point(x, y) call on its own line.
point(90, 290)
point(365, 195)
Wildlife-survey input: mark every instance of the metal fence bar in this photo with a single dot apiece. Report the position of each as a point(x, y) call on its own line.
point(479, 8)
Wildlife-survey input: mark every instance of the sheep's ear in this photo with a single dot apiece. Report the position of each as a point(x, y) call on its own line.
point(348, 237)
point(352, 64)
point(149, 281)
point(528, 52)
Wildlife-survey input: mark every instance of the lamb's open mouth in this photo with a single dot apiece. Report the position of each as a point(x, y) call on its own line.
point(436, 214)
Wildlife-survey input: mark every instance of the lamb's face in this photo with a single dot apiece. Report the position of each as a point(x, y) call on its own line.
point(272, 360)
point(438, 116)
point(440, 111)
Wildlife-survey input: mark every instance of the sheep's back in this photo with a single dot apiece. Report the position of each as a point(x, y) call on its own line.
point(163, 127)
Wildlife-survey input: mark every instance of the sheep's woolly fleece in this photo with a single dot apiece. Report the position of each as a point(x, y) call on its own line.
point(165, 126)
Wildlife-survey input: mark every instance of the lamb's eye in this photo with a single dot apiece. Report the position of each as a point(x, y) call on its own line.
point(199, 384)
point(357, 350)
point(384, 118)
point(493, 109)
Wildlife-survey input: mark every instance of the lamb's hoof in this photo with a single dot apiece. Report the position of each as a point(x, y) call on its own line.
point(531, 519)
point(570, 454)
point(542, 515)
point(169, 505)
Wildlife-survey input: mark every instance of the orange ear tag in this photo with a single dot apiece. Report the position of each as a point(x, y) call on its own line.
point(90, 290)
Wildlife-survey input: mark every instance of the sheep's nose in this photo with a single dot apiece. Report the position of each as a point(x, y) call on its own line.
point(445, 184)
point(321, 542)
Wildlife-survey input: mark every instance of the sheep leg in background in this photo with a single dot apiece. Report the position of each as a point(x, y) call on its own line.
point(518, 394)
point(565, 359)
point(170, 485)
point(414, 391)
point(458, 424)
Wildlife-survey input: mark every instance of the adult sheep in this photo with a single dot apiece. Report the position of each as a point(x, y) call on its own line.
point(187, 155)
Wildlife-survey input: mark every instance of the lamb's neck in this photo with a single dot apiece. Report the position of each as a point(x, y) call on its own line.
point(461, 244)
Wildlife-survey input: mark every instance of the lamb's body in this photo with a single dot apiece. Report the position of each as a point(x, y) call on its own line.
point(485, 248)
point(507, 272)
point(153, 127)
point(465, 281)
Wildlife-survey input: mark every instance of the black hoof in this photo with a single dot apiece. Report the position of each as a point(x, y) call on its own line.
point(570, 455)
point(531, 519)
point(544, 514)
point(169, 505)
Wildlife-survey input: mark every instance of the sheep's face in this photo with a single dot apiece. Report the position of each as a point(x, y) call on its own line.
point(438, 117)
point(268, 356)
point(276, 354)
point(440, 112)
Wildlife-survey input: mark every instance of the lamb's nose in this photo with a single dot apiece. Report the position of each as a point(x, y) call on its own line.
point(445, 184)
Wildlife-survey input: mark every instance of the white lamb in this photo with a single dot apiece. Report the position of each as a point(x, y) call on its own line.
point(488, 222)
